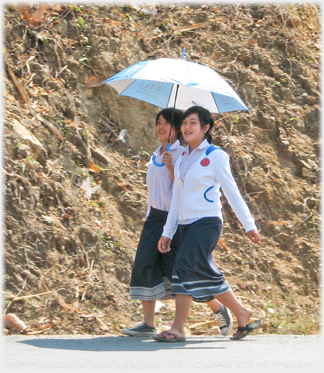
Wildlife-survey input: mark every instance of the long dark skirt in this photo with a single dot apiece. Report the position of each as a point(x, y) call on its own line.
point(195, 272)
point(152, 270)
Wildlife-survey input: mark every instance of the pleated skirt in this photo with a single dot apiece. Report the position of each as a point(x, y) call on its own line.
point(195, 272)
point(152, 271)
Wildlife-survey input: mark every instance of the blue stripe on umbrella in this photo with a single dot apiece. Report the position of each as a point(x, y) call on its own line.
point(226, 103)
point(156, 93)
point(129, 72)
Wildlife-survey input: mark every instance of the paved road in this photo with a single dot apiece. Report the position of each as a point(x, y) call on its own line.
point(74, 354)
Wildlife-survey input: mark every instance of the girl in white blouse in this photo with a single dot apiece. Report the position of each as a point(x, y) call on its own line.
point(152, 270)
point(196, 211)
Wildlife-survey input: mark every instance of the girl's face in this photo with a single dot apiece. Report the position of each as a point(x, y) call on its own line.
point(163, 130)
point(192, 131)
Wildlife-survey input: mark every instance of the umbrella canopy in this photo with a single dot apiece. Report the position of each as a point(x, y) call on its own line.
point(168, 82)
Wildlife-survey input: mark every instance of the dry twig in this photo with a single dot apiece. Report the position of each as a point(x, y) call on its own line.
point(20, 88)
point(16, 299)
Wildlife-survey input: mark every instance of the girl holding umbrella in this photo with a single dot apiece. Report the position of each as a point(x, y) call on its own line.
point(152, 270)
point(196, 211)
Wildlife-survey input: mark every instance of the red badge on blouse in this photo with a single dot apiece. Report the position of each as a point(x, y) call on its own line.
point(205, 162)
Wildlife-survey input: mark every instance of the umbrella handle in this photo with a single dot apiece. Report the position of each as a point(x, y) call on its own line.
point(183, 53)
point(154, 156)
point(156, 163)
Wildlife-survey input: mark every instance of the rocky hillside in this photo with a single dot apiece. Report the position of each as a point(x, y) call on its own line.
point(75, 194)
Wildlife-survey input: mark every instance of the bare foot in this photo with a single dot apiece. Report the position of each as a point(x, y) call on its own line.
point(244, 316)
point(177, 332)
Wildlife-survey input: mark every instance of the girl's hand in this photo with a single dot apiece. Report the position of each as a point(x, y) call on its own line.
point(254, 235)
point(164, 244)
point(168, 160)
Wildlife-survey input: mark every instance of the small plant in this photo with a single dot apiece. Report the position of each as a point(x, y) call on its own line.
point(129, 17)
point(81, 23)
point(108, 244)
point(82, 60)
point(100, 168)
point(146, 153)
point(291, 9)
point(268, 304)
point(197, 307)
point(22, 166)
point(158, 321)
point(77, 9)
point(66, 131)
point(30, 159)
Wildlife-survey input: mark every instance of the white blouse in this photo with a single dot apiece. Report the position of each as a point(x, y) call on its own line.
point(158, 179)
point(196, 190)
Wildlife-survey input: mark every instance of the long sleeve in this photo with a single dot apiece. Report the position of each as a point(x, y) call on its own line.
point(224, 177)
point(172, 221)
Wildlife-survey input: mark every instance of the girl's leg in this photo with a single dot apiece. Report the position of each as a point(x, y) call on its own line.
point(230, 301)
point(149, 312)
point(223, 316)
point(214, 305)
point(183, 304)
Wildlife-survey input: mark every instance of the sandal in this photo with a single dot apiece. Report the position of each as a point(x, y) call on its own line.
point(163, 337)
point(243, 331)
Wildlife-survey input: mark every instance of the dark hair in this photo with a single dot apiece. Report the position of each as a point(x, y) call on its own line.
point(204, 118)
point(176, 120)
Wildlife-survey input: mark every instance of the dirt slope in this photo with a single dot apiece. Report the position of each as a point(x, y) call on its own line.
point(75, 194)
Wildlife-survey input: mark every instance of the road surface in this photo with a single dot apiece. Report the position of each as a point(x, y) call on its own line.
point(83, 353)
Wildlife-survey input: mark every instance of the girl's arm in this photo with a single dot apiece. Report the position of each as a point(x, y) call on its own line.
point(223, 175)
point(168, 161)
point(164, 244)
point(254, 235)
point(172, 221)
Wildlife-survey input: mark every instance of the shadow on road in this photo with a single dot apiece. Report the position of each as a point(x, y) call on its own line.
point(122, 344)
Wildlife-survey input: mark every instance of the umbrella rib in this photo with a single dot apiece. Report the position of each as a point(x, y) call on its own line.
point(175, 101)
